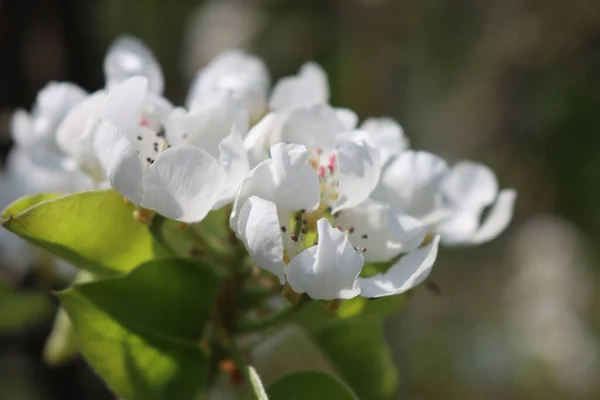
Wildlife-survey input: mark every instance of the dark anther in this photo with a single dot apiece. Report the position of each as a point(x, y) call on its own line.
point(283, 229)
point(364, 236)
point(139, 138)
point(295, 238)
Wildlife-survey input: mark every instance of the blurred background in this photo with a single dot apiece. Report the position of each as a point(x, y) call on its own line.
point(513, 84)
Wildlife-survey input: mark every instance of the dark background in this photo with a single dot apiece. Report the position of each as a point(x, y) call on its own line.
point(514, 84)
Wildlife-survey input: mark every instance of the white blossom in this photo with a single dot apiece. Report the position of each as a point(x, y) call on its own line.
point(182, 182)
point(283, 215)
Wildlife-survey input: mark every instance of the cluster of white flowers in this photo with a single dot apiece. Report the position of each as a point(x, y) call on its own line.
point(314, 194)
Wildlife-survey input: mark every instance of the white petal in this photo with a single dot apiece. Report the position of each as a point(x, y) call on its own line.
point(127, 57)
point(383, 232)
point(242, 75)
point(328, 270)
point(309, 87)
point(347, 117)
point(315, 127)
point(287, 179)
point(233, 158)
point(407, 273)
point(259, 228)
point(498, 218)
point(119, 159)
point(74, 136)
point(296, 183)
point(208, 123)
point(358, 175)
point(387, 135)
point(263, 135)
point(52, 103)
point(124, 102)
point(470, 185)
point(411, 183)
point(257, 141)
point(183, 183)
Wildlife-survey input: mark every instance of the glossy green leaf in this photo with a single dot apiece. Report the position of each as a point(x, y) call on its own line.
point(22, 204)
point(93, 230)
point(141, 331)
point(258, 389)
point(309, 385)
point(171, 298)
point(358, 350)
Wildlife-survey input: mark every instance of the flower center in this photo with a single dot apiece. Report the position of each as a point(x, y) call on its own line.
point(150, 140)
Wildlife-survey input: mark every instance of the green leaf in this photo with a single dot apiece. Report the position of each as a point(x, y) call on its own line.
point(309, 385)
point(26, 202)
point(357, 348)
point(61, 345)
point(171, 298)
point(257, 386)
point(92, 230)
point(141, 332)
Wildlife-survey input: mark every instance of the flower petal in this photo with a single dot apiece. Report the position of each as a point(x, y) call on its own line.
point(470, 185)
point(74, 135)
point(315, 127)
point(183, 183)
point(124, 102)
point(243, 75)
point(328, 270)
point(498, 218)
point(358, 174)
point(260, 137)
point(259, 228)
point(347, 117)
point(234, 159)
point(287, 179)
point(208, 123)
point(119, 159)
point(387, 135)
point(129, 56)
point(381, 231)
point(308, 87)
point(407, 273)
point(411, 183)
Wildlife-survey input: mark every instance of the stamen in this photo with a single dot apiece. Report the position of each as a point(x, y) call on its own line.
point(365, 236)
point(283, 229)
point(363, 250)
point(332, 160)
point(294, 238)
point(139, 138)
point(144, 121)
point(321, 172)
point(351, 229)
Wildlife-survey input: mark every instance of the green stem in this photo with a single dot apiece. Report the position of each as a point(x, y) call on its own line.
point(156, 230)
point(274, 318)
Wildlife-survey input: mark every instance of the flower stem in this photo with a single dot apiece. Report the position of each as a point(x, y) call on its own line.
point(274, 318)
